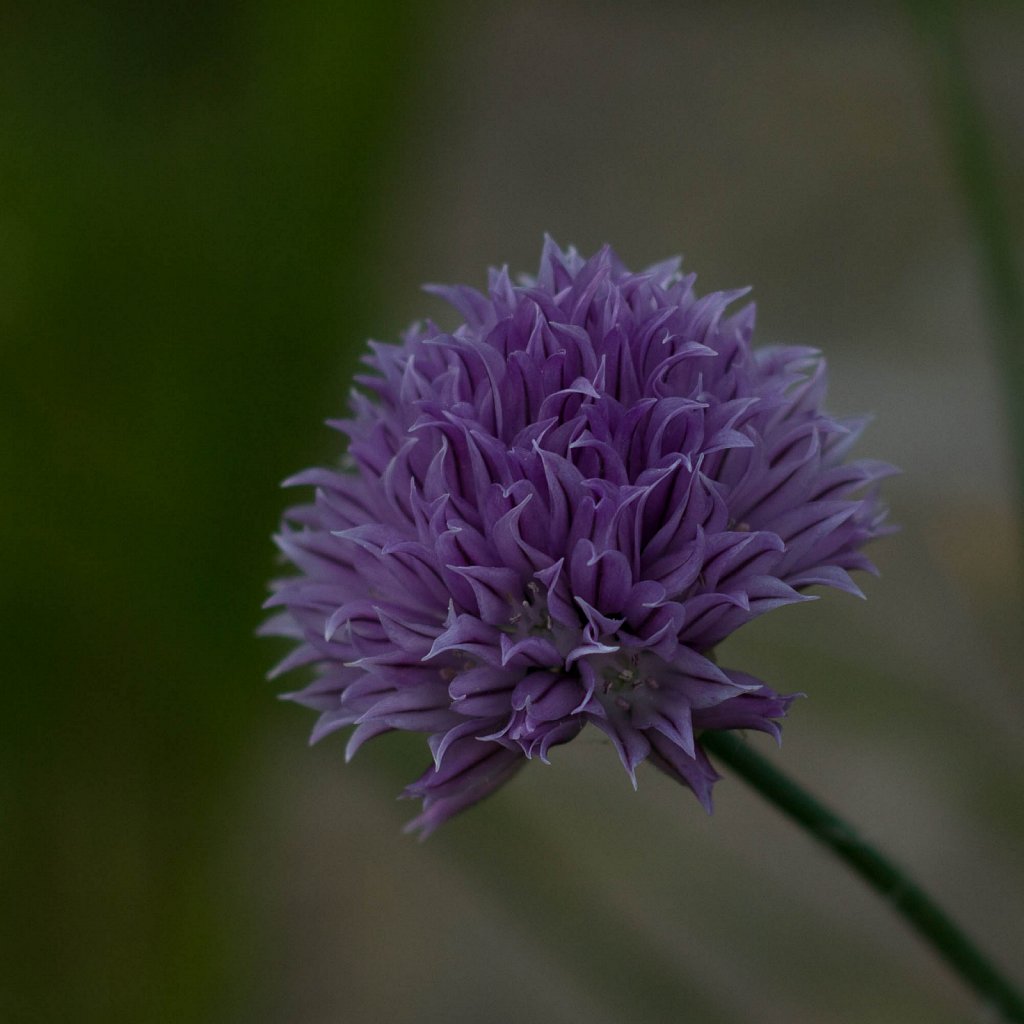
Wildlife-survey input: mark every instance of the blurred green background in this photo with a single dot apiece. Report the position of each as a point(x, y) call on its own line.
point(205, 209)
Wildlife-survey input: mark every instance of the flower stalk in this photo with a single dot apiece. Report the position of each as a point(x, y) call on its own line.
point(892, 883)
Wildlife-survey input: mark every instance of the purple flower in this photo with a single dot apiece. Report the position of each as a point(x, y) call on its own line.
point(549, 517)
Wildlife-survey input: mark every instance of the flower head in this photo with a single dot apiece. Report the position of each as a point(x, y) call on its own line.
point(549, 517)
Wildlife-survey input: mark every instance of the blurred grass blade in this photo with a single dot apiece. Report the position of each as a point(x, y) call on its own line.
point(939, 26)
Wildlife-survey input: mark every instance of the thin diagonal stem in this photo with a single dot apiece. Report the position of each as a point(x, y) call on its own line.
point(893, 884)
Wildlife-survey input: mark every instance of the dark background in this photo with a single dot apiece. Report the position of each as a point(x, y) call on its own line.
point(205, 209)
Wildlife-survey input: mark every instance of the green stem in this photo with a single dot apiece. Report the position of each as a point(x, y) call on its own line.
point(931, 922)
point(974, 164)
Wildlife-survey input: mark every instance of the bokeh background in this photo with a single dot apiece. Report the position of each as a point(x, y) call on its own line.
point(205, 209)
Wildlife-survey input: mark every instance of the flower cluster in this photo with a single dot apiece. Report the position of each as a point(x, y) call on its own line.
point(549, 517)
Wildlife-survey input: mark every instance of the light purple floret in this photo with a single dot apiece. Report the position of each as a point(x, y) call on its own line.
point(549, 517)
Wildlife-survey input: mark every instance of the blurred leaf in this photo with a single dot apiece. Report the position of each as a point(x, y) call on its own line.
point(186, 225)
point(941, 25)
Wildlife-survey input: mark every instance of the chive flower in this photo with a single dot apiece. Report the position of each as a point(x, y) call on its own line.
point(548, 518)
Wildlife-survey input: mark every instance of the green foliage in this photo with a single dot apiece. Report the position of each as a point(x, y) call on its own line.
point(185, 247)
